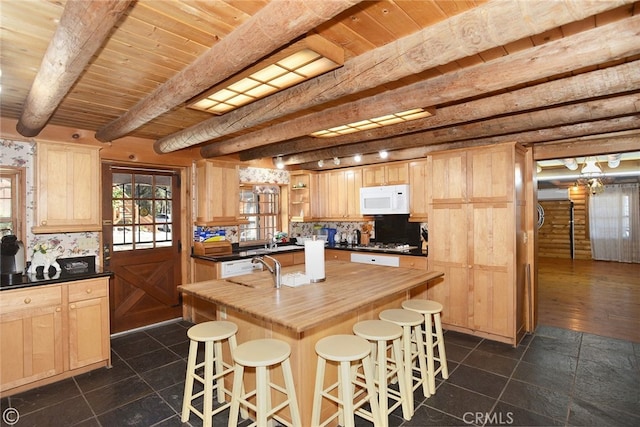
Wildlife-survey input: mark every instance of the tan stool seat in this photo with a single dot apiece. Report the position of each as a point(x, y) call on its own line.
point(379, 333)
point(433, 337)
point(351, 393)
point(262, 354)
point(212, 334)
point(265, 352)
point(410, 321)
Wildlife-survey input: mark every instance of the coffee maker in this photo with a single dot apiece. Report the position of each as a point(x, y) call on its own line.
point(12, 265)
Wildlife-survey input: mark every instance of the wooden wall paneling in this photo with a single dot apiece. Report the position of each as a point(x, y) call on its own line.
point(554, 238)
point(581, 238)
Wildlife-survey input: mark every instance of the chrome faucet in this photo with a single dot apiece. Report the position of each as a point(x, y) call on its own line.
point(275, 270)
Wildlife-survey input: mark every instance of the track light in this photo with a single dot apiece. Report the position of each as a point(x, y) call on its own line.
point(279, 162)
point(357, 158)
point(336, 161)
point(320, 163)
point(383, 154)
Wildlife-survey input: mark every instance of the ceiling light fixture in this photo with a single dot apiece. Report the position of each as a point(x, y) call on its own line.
point(357, 158)
point(383, 154)
point(613, 160)
point(389, 119)
point(301, 61)
point(336, 161)
point(571, 163)
point(591, 169)
point(320, 163)
point(279, 162)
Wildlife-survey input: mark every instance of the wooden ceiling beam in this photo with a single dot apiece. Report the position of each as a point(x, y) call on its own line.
point(617, 40)
point(561, 134)
point(458, 37)
point(605, 82)
point(275, 25)
point(620, 106)
point(82, 30)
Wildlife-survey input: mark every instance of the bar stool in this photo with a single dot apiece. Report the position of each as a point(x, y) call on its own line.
point(262, 354)
point(379, 333)
point(212, 334)
point(431, 311)
point(410, 322)
point(345, 350)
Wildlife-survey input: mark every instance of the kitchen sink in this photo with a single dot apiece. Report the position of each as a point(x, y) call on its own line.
point(263, 251)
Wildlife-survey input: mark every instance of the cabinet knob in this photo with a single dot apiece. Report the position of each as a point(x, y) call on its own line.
point(27, 300)
point(58, 309)
point(72, 307)
point(43, 222)
point(89, 290)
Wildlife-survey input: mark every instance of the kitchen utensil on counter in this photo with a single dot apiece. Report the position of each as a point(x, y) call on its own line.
point(331, 233)
point(425, 234)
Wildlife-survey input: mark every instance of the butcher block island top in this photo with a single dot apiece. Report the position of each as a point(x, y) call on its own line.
point(348, 287)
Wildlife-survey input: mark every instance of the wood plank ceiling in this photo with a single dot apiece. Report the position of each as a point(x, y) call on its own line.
point(539, 72)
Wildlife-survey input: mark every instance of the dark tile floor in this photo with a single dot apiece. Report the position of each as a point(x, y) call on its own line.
point(555, 377)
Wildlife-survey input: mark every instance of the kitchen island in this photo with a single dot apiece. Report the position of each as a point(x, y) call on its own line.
point(303, 315)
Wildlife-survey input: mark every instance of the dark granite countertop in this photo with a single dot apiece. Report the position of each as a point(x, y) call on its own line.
point(246, 253)
point(29, 280)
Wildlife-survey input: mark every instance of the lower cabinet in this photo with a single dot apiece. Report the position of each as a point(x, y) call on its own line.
point(52, 332)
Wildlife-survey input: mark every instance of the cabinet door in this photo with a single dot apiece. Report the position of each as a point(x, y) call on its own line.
point(31, 341)
point(448, 252)
point(353, 183)
point(67, 188)
point(217, 193)
point(492, 259)
point(396, 173)
point(88, 322)
point(418, 184)
point(324, 195)
point(491, 173)
point(373, 176)
point(337, 195)
point(448, 177)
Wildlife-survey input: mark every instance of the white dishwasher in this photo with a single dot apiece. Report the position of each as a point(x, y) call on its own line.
point(238, 267)
point(385, 260)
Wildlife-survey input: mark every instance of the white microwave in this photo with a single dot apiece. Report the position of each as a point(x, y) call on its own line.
point(384, 200)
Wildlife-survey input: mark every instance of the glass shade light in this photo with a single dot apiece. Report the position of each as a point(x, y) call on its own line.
point(591, 169)
point(301, 61)
point(389, 119)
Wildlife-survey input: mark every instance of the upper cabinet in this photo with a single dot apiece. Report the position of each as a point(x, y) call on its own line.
point(302, 196)
point(67, 188)
point(387, 174)
point(418, 188)
point(217, 198)
point(339, 194)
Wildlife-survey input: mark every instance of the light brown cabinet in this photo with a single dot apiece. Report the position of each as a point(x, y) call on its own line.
point(475, 238)
point(339, 194)
point(88, 322)
point(418, 188)
point(387, 174)
point(302, 196)
point(52, 332)
point(67, 188)
point(218, 189)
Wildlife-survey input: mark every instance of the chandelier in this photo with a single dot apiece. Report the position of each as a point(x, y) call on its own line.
point(591, 176)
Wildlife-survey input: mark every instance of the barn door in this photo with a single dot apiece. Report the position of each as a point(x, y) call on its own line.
point(141, 232)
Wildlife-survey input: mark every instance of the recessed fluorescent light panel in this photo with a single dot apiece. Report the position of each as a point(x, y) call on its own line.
point(389, 119)
point(299, 62)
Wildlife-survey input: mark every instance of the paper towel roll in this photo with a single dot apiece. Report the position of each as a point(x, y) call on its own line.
point(314, 260)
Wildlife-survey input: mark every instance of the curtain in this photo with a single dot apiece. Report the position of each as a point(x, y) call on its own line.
point(614, 223)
